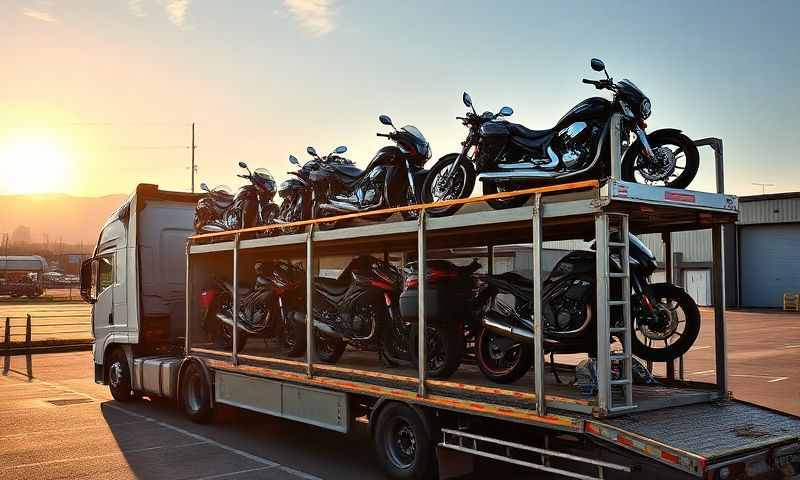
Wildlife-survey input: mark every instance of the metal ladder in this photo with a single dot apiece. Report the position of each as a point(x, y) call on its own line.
point(524, 455)
point(619, 325)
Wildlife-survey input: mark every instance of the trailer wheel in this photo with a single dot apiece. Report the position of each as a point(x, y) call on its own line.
point(195, 394)
point(403, 444)
point(119, 376)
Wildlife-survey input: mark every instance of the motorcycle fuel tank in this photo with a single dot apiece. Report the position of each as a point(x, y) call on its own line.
point(589, 109)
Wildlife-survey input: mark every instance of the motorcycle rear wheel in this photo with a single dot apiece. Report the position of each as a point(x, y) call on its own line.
point(490, 188)
point(464, 179)
point(501, 367)
point(329, 350)
point(445, 348)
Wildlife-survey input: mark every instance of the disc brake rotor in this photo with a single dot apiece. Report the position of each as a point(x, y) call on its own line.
point(661, 167)
point(666, 324)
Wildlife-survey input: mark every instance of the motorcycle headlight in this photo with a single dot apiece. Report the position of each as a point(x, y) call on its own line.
point(645, 108)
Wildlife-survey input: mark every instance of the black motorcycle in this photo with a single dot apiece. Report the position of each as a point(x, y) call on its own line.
point(455, 301)
point(359, 308)
point(263, 310)
point(336, 186)
point(509, 156)
point(665, 319)
point(219, 210)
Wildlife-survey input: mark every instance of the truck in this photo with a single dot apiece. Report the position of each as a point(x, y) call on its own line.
point(148, 271)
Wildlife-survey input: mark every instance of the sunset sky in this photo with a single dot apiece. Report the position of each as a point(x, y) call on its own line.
point(97, 96)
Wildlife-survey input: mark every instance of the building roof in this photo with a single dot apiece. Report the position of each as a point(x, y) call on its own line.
point(770, 196)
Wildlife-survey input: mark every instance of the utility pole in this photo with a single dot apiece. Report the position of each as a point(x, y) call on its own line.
point(193, 167)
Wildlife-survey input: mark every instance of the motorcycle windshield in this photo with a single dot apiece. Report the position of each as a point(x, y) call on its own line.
point(421, 144)
point(222, 190)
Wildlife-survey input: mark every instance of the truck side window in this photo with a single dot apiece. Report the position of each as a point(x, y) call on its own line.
point(105, 276)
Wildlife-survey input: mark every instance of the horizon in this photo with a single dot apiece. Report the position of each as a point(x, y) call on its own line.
point(156, 67)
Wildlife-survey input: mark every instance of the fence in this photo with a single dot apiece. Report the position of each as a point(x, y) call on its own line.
point(25, 334)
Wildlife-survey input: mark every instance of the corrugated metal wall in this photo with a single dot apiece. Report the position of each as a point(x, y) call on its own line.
point(695, 245)
point(780, 210)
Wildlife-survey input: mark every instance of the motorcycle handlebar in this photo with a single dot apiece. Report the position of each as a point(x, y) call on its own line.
point(387, 135)
point(243, 176)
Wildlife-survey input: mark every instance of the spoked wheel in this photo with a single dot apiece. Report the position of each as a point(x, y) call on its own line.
point(672, 327)
point(675, 164)
point(501, 203)
point(501, 359)
point(444, 348)
point(403, 444)
point(449, 179)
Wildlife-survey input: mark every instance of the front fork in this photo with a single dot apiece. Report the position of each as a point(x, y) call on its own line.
point(642, 136)
point(411, 181)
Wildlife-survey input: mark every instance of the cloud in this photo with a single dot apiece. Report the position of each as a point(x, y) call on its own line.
point(315, 16)
point(176, 11)
point(38, 15)
point(136, 8)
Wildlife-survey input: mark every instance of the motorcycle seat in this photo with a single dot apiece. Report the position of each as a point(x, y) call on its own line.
point(530, 139)
point(332, 286)
point(348, 170)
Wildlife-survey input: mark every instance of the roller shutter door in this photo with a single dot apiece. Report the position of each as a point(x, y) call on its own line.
point(769, 263)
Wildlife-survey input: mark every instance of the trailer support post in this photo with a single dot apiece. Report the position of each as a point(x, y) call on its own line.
point(718, 277)
point(187, 347)
point(490, 259)
point(538, 342)
point(603, 323)
point(421, 274)
point(235, 336)
point(310, 346)
point(616, 146)
point(666, 238)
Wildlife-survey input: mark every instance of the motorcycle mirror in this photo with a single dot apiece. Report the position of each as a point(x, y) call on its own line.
point(505, 112)
point(204, 187)
point(467, 99)
point(312, 152)
point(294, 160)
point(597, 65)
point(242, 164)
point(340, 150)
point(384, 119)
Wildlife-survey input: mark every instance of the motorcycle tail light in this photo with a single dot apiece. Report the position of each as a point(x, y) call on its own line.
point(412, 282)
point(380, 284)
point(387, 298)
point(437, 275)
point(207, 297)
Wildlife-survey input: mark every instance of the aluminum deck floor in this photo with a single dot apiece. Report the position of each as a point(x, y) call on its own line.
point(713, 430)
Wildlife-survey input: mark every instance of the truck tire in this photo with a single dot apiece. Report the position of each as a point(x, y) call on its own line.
point(403, 444)
point(119, 376)
point(195, 393)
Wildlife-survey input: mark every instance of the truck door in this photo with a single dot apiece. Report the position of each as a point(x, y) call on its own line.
point(103, 295)
point(120, 311)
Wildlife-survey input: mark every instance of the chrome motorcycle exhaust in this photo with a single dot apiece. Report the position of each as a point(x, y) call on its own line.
point(229, 321)
point(499, 325)
point(322, 327)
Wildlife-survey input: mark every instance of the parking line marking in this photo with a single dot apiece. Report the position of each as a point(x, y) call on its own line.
point(792, 346)
point(63, 430)
point(241, 453)
point(231, 474)
point(704, 372)
point(700, 348)
point(92, 457)
point(777, 379)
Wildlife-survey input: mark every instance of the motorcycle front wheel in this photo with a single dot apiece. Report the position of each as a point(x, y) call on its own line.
point(501, 359)
point(667, 146)
point(223, 336)
point(440, 186)
point(673, 328)
point(328, 349)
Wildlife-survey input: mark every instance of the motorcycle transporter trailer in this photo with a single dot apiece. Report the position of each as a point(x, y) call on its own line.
point(421, 426)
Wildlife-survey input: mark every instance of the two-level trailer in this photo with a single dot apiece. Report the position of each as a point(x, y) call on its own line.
point(152, 339)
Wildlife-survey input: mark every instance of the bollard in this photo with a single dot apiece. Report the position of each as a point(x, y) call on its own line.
point(28, 330)
point(28, 357)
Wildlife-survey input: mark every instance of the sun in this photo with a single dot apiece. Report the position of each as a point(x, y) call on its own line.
point(33, 164)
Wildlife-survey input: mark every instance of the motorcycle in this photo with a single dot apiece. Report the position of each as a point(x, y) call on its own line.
point(219, 210)
point(358, 308)
point(660, 313)
point(506, 156)
point(336, 186)
point(455, 301)
point(263, 310)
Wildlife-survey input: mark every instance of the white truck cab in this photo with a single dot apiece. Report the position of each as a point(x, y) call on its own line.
point(135, 281)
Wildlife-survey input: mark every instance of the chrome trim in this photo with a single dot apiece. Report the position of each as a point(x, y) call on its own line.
point(648, 152)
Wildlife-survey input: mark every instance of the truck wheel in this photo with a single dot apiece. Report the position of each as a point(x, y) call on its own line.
point(119, 377)
point(403, 445)
point(195, 394)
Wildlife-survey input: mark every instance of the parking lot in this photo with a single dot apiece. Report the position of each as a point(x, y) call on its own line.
point(60, 424)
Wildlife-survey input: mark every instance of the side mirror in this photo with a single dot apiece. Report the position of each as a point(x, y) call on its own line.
point(597, 65)
point(340, 150)
point(294, 160)
point(467, 99)
point(505, 112)
point(242, 164)
point(89, 270)
point(384, 119)
point(312, 152)
point(204, 187)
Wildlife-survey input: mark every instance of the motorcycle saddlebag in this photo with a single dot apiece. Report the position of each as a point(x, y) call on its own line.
point(409, 302)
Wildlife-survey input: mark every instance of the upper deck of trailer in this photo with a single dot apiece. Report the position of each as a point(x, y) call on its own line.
point(566, 207)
